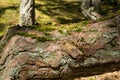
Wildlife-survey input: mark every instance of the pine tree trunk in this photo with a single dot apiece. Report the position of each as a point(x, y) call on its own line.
point(91, 9)
point(27, 13)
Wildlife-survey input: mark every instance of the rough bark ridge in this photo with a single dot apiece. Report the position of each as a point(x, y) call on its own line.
point(27, 13)
point(79, 54)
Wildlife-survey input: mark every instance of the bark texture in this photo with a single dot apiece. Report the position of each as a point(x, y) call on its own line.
point(95, 50)
point(91, 9)
point(27, 13)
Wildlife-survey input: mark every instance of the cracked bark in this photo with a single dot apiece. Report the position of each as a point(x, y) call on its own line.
point(24, 58)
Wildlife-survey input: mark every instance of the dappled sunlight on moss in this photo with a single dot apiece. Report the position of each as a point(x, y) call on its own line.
point(61, 15)
point(60, 12)
point(110, 9)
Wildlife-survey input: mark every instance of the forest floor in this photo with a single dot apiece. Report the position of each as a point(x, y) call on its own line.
point(63, 16)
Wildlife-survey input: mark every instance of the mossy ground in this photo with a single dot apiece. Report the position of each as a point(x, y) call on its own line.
point(61, 15)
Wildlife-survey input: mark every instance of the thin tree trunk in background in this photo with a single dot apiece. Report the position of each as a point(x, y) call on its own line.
point(97, 5)
point(27, 13)
point(91, 9)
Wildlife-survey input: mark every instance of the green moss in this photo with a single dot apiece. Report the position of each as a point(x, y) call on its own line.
point(76, 29)
point(21, 33)
point(85, 22)
point(61, 31)
point(92, 79)
point(43, 39)
point(43, 28)
point(47, 37)
point(46, 28)
point(2, 29)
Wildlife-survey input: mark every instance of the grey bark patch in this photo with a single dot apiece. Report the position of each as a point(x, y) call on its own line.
point(91, 8)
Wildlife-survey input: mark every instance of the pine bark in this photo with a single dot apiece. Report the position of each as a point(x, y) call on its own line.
point(80, 54)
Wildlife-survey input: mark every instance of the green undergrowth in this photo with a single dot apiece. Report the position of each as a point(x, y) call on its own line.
point(38, 38)
point(63, 28)
point(63, 16)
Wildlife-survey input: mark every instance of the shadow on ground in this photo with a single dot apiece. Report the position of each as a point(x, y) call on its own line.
point(62, 11)
point(3, 9)
point(110, 8)
point(67, 11)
